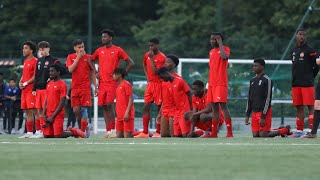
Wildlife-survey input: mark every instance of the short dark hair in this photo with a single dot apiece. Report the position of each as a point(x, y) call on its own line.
point(32, 45)
point(163, 70)
point(218, 33)
point(300, 29)
point(154, 40)
point(260, 61)
point(108, 31)
point(58, 67)
point(77, 42)
point(43, 44)
point(120, 71)
point(11, 79)
point(174, 58)
point(198, 83)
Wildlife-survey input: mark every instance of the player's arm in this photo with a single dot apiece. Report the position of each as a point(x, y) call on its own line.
point(223, 54)
point(130, 103)
point(249, 106)
point(153, 65)
point(36, 79)
point(145, 70)
point(267, 100)
point(207, 109)
point(314, 56)
point(74, 65)
point(130, 64)
point(20, 83)
point(189, 94)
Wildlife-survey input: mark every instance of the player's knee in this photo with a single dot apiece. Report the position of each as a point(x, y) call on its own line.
point(205, 117)
point(187, 115)
point(84, 112)
point(147, 107)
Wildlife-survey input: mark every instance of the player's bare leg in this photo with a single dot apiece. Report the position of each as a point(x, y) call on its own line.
point(77, 112)
point(29, 123)
point(158, 125)
point(120, 134)
point(171, 126)
point(227, 117)
point(145, 121)
point(255, 134)
point(310, 117)
point(108, 114)
point(299, 122)
point(313, 133)
point(128, 135)
point(164, 130)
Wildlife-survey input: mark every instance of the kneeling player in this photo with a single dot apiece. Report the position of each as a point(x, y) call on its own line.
point(259, 103)
point(53, 107)
point(124, 105)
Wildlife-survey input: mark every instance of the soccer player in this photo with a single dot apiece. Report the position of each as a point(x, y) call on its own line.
point(124, 105)
point(28, 100)
point(201, 114)
point(166, 113)
point(78, 65)
point(259, 104)
point(182, 98)
point(218, 83)
point(40, 82)
point(304, 70)
point(53, 110)
point(108, 57)
point(153, 60)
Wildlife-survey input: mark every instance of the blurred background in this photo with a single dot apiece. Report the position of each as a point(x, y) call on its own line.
point(251, 29)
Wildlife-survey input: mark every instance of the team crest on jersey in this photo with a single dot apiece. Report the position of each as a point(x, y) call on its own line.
point(260, 82)
point(302, 55)
point(46, 63)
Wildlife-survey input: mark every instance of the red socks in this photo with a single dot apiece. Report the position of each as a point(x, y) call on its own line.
point(111, 125)
point(38, 127)
point(199, 132)
point(145, 121)
point(311, 121)
point(300, 124)
point(229, 126)
point(214, 132)
point(158, 128)
point(84, 124)
point(29, 125)
point(283, 131)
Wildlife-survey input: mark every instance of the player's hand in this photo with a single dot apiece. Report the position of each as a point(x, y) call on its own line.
point(158, 119)
point(81, 54)
point(318, 60)
point(21, 85)
point(262, 122)
point(126, 117)
point(96, 91)
point(151, 55)
point(13, 98)
point(98, 75)
point(219, 39)
point(34, 93)
point(247, 121)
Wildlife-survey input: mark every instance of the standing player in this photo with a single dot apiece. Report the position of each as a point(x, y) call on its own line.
point(55, 98)
point(259, 103)
point(28, 100)
point(218, 83)
point(304, 70)
point(182, 98)
point(78, 65)
point(124, 105)
point(153, 60)
point(40, 82)
point(108, 57)
point(166, 113)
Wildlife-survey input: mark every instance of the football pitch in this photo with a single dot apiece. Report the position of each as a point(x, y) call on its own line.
point(241, 157)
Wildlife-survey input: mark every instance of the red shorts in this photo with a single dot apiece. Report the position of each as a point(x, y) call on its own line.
point(204, 126)
point(80, 97)
point(303, 96)
point(40, 97)
point(28, 100)
point(55, 128)
point(255, 124)
point(181, 126)
point(153, 93)
point(167, 113)
point(106, 94)
point(217, 94)
point(124, 126)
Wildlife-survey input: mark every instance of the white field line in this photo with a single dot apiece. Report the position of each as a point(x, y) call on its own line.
point(140, 143)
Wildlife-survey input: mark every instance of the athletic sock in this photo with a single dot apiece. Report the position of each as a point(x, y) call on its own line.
point(229, 126)
point(158, 128)
point(84, 125)
point(38, 127)
point(300, 124)
point(110, 125)
point(145, 121)
point(311, 119)
point(214, 132)
point(29, 125)
point(316, 122)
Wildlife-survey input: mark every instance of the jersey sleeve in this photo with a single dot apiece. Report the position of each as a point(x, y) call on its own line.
point(161, 62)
point(145, 58)
point(128, 90)
point(95, 55)
point(63, 90)
point(123, 55)
point(227, 51)
point(69, 61)
point(185, 86)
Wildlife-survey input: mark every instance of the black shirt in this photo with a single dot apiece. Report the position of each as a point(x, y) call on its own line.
point(42, 72)
point(304, 67)
point(2, 89)
point(260, 95)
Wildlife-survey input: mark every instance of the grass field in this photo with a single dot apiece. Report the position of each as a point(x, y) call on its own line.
point(94, 159)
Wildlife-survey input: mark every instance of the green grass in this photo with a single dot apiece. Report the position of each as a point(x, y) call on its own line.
point(96, 159)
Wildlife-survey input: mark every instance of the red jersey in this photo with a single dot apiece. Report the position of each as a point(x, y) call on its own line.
point(181, 100)
point(199, 103)
point(159, 60)
point(29, 70)
point(218, 75)
point(123, 92)
point(81, 75)
point(109, 59)
point(54, 91)
point(167, 99)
